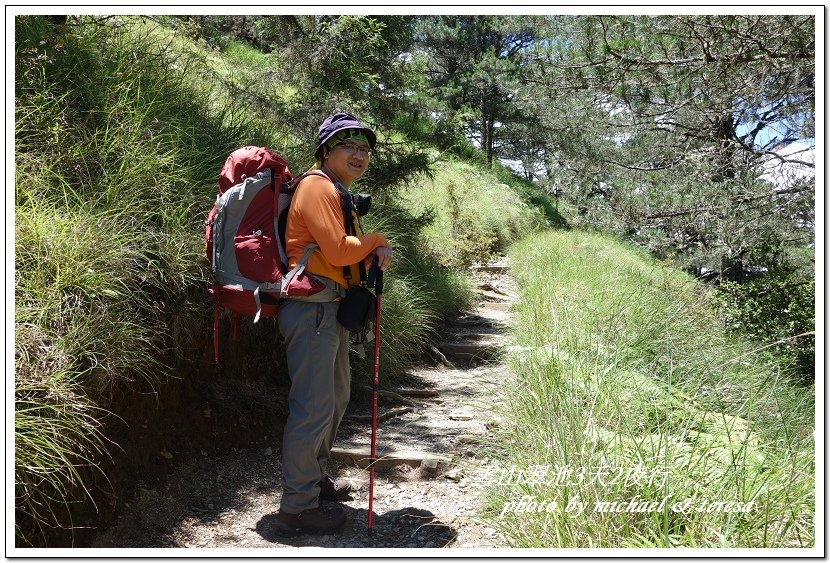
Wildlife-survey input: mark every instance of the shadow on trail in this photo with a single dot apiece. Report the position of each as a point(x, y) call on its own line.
point(409, 527)
point(231, 501)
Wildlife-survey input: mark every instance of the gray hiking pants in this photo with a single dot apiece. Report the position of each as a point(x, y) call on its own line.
point(317, 347)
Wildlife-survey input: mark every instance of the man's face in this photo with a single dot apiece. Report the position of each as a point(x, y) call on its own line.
point(349, 160)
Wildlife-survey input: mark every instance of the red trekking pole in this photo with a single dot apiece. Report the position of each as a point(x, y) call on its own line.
point(376, 271)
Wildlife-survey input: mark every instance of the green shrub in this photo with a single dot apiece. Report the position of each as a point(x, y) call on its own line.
point(779, 311)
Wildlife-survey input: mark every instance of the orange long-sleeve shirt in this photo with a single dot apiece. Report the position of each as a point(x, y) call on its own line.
point(315, 215)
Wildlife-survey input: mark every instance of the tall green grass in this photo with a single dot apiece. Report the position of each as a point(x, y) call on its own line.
point(118, 142)
point(57, 438)
point(420, 293)
point(626, 390)
point(121, 126)
point(473, 216)
point(87, 262)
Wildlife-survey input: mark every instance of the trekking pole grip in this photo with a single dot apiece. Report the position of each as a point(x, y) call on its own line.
point(376, 275)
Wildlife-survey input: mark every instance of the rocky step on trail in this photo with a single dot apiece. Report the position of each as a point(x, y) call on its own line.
point(433, 436)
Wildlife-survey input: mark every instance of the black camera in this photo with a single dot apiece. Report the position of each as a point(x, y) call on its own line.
point(362, 203)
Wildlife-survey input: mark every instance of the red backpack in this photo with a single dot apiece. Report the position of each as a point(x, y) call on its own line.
point(245, 239)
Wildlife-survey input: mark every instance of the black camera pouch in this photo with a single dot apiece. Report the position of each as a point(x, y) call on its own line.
point(355, 310)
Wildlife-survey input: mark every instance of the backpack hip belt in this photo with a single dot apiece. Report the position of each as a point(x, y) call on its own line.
point(330, 292)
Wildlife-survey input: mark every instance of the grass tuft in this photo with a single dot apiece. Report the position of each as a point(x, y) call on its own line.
point(472, 216)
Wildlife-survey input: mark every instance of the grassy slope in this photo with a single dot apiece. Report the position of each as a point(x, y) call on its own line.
point(111, 159)
point(627, 389)
point(121, 129)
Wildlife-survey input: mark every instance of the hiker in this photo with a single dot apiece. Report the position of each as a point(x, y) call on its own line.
point(317, 346)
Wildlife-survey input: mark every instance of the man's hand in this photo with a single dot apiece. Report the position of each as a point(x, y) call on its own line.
point(384, 254)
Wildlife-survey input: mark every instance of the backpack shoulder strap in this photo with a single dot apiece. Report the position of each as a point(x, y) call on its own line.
point(346, 206)
point(316, 172)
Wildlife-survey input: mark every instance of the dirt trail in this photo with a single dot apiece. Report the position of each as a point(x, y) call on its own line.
point(426, 492)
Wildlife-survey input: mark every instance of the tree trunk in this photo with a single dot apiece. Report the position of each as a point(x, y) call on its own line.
point(724, 130)
point(490, 142)
point(485, 138)
point(731, 269)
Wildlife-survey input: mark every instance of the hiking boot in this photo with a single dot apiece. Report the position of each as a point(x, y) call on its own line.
point(334, 489)
point(312, 521)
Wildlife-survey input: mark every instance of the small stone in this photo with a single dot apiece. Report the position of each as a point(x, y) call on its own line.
point(165, 454)
point(453, 475)
point(268, 451)
point(430, 464)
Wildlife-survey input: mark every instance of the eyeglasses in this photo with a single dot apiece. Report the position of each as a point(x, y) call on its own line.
point(354, 148)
